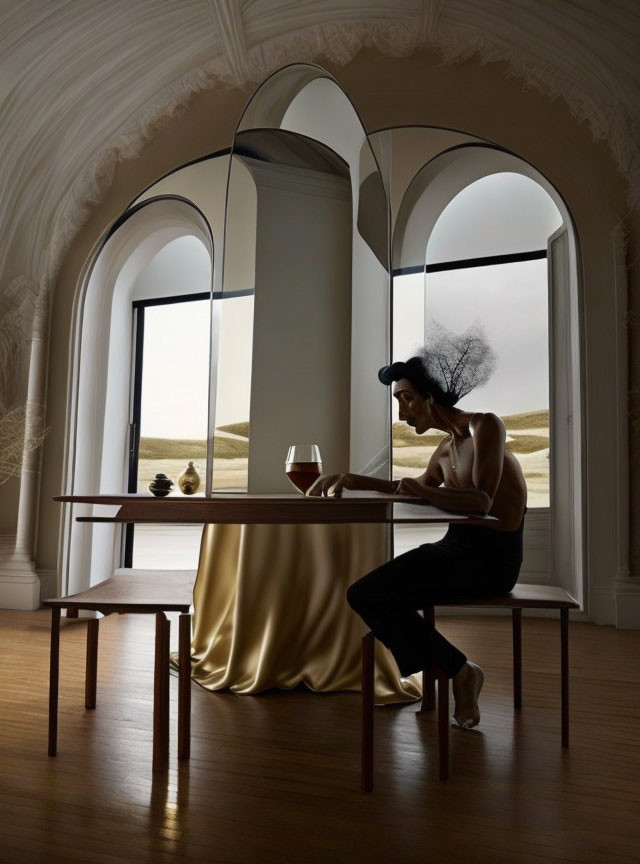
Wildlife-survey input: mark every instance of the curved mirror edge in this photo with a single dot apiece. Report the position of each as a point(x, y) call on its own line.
point(104, 435)
point(298, 103)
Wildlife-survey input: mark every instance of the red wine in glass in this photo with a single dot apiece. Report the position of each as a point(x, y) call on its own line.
point(303, 465)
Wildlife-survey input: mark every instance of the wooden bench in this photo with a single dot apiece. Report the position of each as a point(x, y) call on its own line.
point(140, 592)
point(522, 597)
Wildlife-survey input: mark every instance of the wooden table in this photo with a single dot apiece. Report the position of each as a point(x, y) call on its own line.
point(269, 509)
point(353, 508)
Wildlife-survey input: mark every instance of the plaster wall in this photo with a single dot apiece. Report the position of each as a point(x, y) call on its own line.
point(205, 185)
point(183, 266)
point(9, 493)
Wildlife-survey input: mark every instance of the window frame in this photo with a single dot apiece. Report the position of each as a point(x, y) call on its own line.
point(138, 333)
point(469, 263)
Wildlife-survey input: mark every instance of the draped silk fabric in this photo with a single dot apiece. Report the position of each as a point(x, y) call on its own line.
point(270, 610)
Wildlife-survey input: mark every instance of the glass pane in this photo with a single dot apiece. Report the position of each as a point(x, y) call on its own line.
point(408, 316)
point(510, 301)
point(173, 422)
point(173, 426)
point(166, 547)
point(497, 215)
point(231, 441)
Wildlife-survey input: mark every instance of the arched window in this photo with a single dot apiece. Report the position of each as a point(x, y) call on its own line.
point(486, 265)
point(481, 238)
point(101, 398)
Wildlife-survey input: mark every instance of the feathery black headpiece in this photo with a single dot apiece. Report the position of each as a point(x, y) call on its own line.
point(449, 368)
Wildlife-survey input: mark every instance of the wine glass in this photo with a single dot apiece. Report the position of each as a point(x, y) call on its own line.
point(303, 465)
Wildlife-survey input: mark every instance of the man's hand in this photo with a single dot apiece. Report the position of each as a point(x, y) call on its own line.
point(331, 485)
point(411, 486)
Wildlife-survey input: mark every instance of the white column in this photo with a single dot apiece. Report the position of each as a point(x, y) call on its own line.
point(302, 321)
point(19, 583)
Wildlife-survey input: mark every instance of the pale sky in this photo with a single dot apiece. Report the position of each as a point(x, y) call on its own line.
point(175, 383)
point(510, 302)
point(175, 371)
point(499, 214)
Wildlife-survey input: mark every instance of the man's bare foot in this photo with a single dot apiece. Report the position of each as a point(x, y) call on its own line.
point(467, 684)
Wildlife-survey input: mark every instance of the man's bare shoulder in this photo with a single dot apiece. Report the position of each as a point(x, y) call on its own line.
point(485, 421)
point(443, 443)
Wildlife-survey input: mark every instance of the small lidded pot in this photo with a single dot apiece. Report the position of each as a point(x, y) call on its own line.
point(161, 485)
point(189, 480)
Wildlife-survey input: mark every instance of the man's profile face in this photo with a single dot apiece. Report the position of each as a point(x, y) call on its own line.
point(413, 408)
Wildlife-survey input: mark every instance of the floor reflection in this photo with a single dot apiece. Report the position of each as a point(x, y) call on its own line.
point(168, 809)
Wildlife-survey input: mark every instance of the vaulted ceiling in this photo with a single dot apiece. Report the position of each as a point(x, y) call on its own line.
point(85, 82)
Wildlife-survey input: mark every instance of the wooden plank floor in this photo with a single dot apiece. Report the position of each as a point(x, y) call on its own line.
point(275, 778)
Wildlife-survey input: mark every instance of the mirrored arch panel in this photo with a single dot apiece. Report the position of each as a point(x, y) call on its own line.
point(321, 278)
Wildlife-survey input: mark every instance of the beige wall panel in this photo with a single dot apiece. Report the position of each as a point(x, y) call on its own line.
point(300, 382)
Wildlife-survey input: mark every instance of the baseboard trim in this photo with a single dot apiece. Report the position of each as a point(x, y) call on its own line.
point(19, 592)
point(48, 583)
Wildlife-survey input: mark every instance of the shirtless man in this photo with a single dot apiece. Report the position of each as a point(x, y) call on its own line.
point(472, 473)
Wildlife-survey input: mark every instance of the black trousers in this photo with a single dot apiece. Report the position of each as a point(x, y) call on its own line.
point(470, 562)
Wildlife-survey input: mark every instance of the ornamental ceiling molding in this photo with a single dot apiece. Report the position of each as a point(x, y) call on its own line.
point(90, 188)
point(337, 43)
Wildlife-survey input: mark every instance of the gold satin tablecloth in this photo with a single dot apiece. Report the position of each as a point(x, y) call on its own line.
point(270, 610)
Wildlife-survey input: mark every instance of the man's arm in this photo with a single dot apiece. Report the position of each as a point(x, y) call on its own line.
point(488, 458)
point(333, 484)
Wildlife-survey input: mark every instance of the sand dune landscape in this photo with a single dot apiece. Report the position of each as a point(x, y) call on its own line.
point(527, 439)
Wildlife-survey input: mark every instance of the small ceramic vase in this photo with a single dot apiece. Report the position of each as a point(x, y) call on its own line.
point(189, 480)
point(161, 485)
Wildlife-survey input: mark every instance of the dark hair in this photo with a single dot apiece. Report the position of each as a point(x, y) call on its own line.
point(414, 371)
point(451, 366)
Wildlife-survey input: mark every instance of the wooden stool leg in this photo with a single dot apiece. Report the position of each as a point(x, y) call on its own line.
point(564, 664)
point(428, 678)
point(428, 692)
point(184, 687)
point(516, 618)
point(368, 684)
point(443, 722)
point(91, 673)
point(161, 695)
point(54, 669)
